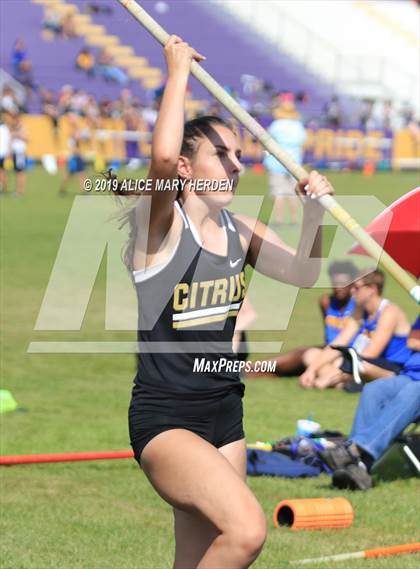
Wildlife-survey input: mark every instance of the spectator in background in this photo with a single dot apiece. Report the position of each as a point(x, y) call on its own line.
point(105, 108)
point(8, 102)
point(386, 407)
point(85, 60)
point(301, 97)
point(135, 123)
point(102, 8)
point(407, 114)
point(5, 150)
point(22, 66)
point(336, 309)
point(19, 145)
point(365, 118)
point(215, 109)
point(50, 108)
point(125, 103)
point(92, 111)
point(69, 29)
point(75, 164)
point(333, 114)
point(251, 85)
point(390, 120)
point(287, 129)
point(51, 23)
point(65, 99)
point(58, 26)
point(19, 56)
point(150, 113)
point(108, 70)
point(381, 330)
point(79, 101)
point(384, 115)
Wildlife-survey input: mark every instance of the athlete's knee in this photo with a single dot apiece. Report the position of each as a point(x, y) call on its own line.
point(309, 355)
point(248, 536)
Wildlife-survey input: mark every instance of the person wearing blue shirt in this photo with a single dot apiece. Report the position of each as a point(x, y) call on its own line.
point(386, 407)
point(336, 309)
point(380, 345)
point(288, 130)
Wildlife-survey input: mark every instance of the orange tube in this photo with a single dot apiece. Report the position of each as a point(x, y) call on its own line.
point(313, 513)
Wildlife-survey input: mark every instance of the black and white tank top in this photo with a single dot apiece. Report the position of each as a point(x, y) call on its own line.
point(187, 312)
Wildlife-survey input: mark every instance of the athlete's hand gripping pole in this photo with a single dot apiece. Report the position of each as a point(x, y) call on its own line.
point(297, 171)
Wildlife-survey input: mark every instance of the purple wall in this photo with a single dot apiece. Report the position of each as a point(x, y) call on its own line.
point(53, 62)
point(230, 49)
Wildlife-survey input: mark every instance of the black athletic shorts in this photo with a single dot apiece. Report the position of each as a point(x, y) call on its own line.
point(19, 162)
point(218, 420)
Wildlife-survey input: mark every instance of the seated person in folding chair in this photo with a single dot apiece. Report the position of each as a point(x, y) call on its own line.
point(380, 348)
point(386, 407)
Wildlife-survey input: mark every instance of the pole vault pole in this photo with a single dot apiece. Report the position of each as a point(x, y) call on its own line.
point(367, 554)
point(298, 172)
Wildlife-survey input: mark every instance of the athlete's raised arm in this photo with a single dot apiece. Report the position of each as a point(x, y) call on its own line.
point(269, 255)
point(168, 132)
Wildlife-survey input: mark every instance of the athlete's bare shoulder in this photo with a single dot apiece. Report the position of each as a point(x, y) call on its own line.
point(253, 234)
point(249, 226)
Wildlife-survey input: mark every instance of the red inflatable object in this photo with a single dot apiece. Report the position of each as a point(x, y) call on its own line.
point(401, 238)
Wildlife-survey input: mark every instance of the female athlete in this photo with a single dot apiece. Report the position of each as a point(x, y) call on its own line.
point(185, 416)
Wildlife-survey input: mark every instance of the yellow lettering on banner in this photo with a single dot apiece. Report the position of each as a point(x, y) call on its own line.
point(372, 149)
point(41, 139)
point(340, 145)
point(179, 290)
point(405, 147)
point(324, 145)
point(310, 140)
point(219, 291)
point(205, 286)
point(145, 148)
point(355, 144)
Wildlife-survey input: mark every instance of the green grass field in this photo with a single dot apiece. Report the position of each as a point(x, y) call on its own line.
point(104, 514)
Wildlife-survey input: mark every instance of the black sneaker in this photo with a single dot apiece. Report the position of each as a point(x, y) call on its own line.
point(352, 477)
point(340, 456)
point(353, 387)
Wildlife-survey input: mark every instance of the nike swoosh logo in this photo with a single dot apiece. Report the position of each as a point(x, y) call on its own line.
point(234, 263)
